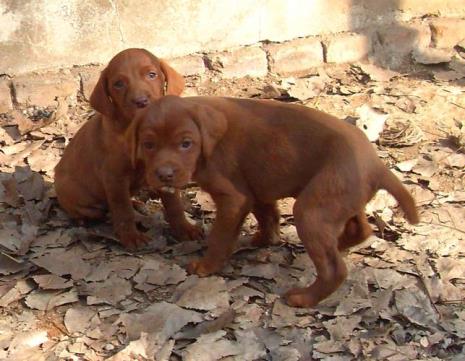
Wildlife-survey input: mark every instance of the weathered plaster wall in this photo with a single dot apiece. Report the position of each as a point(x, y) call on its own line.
point(49, 34)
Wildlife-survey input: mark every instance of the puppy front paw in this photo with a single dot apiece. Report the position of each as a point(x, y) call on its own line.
point(260, 239)
point(188, 232)
point(132, 240)
point(202, 268)
point(300, 297)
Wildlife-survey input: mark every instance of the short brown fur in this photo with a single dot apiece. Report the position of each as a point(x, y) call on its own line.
point(95, 173)
point(249, 153)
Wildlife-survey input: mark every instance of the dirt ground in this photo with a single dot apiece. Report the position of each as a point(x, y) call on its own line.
point(72, 293)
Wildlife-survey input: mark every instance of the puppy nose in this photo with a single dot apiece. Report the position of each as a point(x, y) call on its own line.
point(141, 102)
point(165, 174)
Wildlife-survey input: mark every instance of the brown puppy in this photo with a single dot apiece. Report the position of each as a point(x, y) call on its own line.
point(249, 153)
point(95, 172)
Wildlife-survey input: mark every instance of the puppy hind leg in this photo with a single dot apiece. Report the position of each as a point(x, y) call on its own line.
point(320, 240)
point(320, 214)
point(356, 230)
point(267, 216)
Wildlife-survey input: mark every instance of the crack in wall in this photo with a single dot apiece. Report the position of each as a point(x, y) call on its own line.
point(118, 20)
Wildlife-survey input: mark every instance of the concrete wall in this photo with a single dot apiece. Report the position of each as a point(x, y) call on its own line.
point(50, 34)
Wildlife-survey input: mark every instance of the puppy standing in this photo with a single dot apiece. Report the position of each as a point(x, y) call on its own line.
point(249, 153)
point(95, 172)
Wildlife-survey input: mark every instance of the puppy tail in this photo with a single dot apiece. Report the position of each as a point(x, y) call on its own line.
point(392, 184)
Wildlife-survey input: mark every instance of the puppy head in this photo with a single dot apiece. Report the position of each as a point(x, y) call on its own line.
point(132, 80)
point(170, 137)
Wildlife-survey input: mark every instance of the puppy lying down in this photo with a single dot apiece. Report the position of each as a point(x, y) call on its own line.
point(248, 154)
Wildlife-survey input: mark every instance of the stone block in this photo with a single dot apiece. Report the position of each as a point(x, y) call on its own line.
point(296, 56)
point(346, 48)
point(89, 77)
point(188, 65)
point(241, 62)
point(43, 89)
point(5, 96)
point(393, 44)
point(447, 33)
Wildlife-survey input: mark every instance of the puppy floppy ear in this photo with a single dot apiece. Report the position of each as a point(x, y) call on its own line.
point(100, 98)
point(131, 136)
point(212, 124)
point(174, 80)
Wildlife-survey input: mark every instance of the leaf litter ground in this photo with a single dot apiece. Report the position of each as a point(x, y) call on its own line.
point(70, 292)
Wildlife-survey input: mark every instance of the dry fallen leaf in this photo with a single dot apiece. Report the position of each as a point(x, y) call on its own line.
point(16, 293)
point(205, 201)
point(306, 88)
point(9, 265)
point(124, 267)
point(162, 319)
point(143, 348)
point(112, 290)
point(157, 272)
point(52, 282)
point(377, 73)
point(62, 261)
point(208, 293)
point(416, 307)
point(283, 315)
point(263, 270)
point(47, 300)
point(211, 347)
point(77, 319)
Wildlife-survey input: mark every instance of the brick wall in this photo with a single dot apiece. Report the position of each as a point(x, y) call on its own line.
point(389, 45)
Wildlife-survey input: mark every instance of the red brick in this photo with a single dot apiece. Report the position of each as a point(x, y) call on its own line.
point(89, 77)
point(5, 96)
point(346, 48)
point(238, 63)
point(42, 89)
point(393, 44)
point(446, 33)
point(188, 65)
point(296, 56)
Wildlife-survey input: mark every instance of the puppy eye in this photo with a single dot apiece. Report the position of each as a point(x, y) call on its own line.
point(152, 75)
point(186, 144)
point(148, 145)
point(119, 84)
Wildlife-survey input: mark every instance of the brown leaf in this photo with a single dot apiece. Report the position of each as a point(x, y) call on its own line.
point(377, 73)
point(111, 291)
point(162, 319)
point(211, 347)
point(10, 193)
point(62, 262)
point(9, 265)
point(283, 315)
point(208, 293)
point(77, 319)
point(222, 321)
point(205, 201)
point(47, 300)
point(341, 328)
point(262, 270)
point(21, 289)
point(52, 282)
point(306, 88)
point(158, 272)
point(416, 307)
